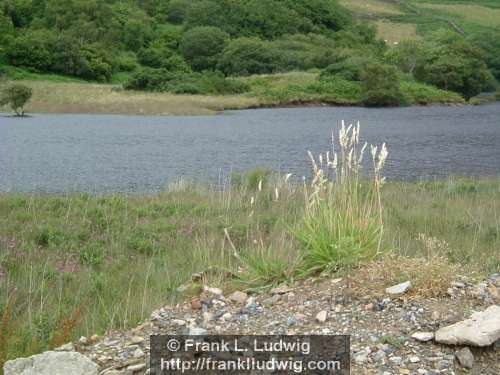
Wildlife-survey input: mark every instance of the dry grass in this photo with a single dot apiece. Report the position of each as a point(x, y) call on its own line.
point(94, 98)
point(472, 13)
point(372, 7)
point(430, 277)
point(394, 33)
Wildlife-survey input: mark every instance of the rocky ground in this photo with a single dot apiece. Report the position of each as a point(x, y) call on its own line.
point(393, 330)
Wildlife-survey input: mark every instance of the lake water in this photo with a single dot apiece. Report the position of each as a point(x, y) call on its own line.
point(108, 153)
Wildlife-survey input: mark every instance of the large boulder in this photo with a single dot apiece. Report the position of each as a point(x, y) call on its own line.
point(481, 329)
point(52, 363)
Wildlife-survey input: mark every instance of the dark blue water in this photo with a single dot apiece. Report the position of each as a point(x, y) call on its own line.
point(107, 153)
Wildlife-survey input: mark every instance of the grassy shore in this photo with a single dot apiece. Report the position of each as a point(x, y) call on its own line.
point(63, 95)
point(80, 264)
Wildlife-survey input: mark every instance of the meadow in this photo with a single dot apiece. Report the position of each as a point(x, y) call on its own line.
point(80, 264)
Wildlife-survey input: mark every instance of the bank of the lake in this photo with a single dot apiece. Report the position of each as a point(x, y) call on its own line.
point(80, 265)
point(60, 95)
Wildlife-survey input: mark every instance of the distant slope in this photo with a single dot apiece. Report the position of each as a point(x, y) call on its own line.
point(398, 20)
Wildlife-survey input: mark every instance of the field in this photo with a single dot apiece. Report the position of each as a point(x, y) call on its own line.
point(370, 8)
point(471, 13)
point(401, 20)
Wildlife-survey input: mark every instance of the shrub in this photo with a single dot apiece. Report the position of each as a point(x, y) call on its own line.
point(184, 83)
point(16, 96)
point(342, 223)
point(177, 10)
point(202, 47)
point(246, 56)
point(32, 50)
point(451, 63)
point(303, 52)
point(381, 86)
point(350, 68)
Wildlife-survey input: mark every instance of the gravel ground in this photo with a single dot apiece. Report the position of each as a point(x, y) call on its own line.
point(381, 326)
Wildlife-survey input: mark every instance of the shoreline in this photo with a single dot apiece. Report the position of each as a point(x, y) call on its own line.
point(89, 98)
point(206, 111)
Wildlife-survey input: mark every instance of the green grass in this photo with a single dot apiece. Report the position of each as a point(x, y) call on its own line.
point(79, 264)
point(19, 74)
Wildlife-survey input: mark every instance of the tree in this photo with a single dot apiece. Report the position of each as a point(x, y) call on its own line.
point(381, 86)
point(17, 96)
point(246, 56)
point(489, 42)
point(407, 56)
point(452, 63)
point(32, 50)
point(202, 47)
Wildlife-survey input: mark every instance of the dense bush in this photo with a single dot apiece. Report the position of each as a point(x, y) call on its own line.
point(407, 55)
point(451, 63)
point(350, 68)
point(202, 47)
point(381, 86)
point(184, 83)
point(303, 52)
point(489, 43)
point(246, 56)
point(32, 50)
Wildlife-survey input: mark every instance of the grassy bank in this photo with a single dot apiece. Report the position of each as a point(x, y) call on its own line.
point(61, 95)
point(79, 264)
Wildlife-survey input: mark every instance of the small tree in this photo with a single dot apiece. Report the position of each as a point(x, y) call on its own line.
point(381, 86)
point(17, 96)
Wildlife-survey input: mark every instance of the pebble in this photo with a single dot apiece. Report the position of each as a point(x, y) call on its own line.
point(396, 360)
point(137, 368)
point(136, 340)
point(322, 316)
point(216, 291)
point(465, 357)
point(399, 289)
point(239, 297)
point(423, 336)
point(271, 300)
point(138, 353)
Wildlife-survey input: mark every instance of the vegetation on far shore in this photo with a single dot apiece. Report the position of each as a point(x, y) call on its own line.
point(287, 89)
point(82, 264)
point(207, 47)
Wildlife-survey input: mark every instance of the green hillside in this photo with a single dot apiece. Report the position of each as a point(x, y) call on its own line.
point(358, 52)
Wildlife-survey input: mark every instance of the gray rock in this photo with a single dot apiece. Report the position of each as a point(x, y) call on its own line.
point(481, 329)
point(465, 357)
point(271, 300)
point(444, 364)
point(399, 289)
point(52, 363)
point(239, 297)
point(361, 357)
point(291, 321)
point(423, 336)
point(396, 360)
